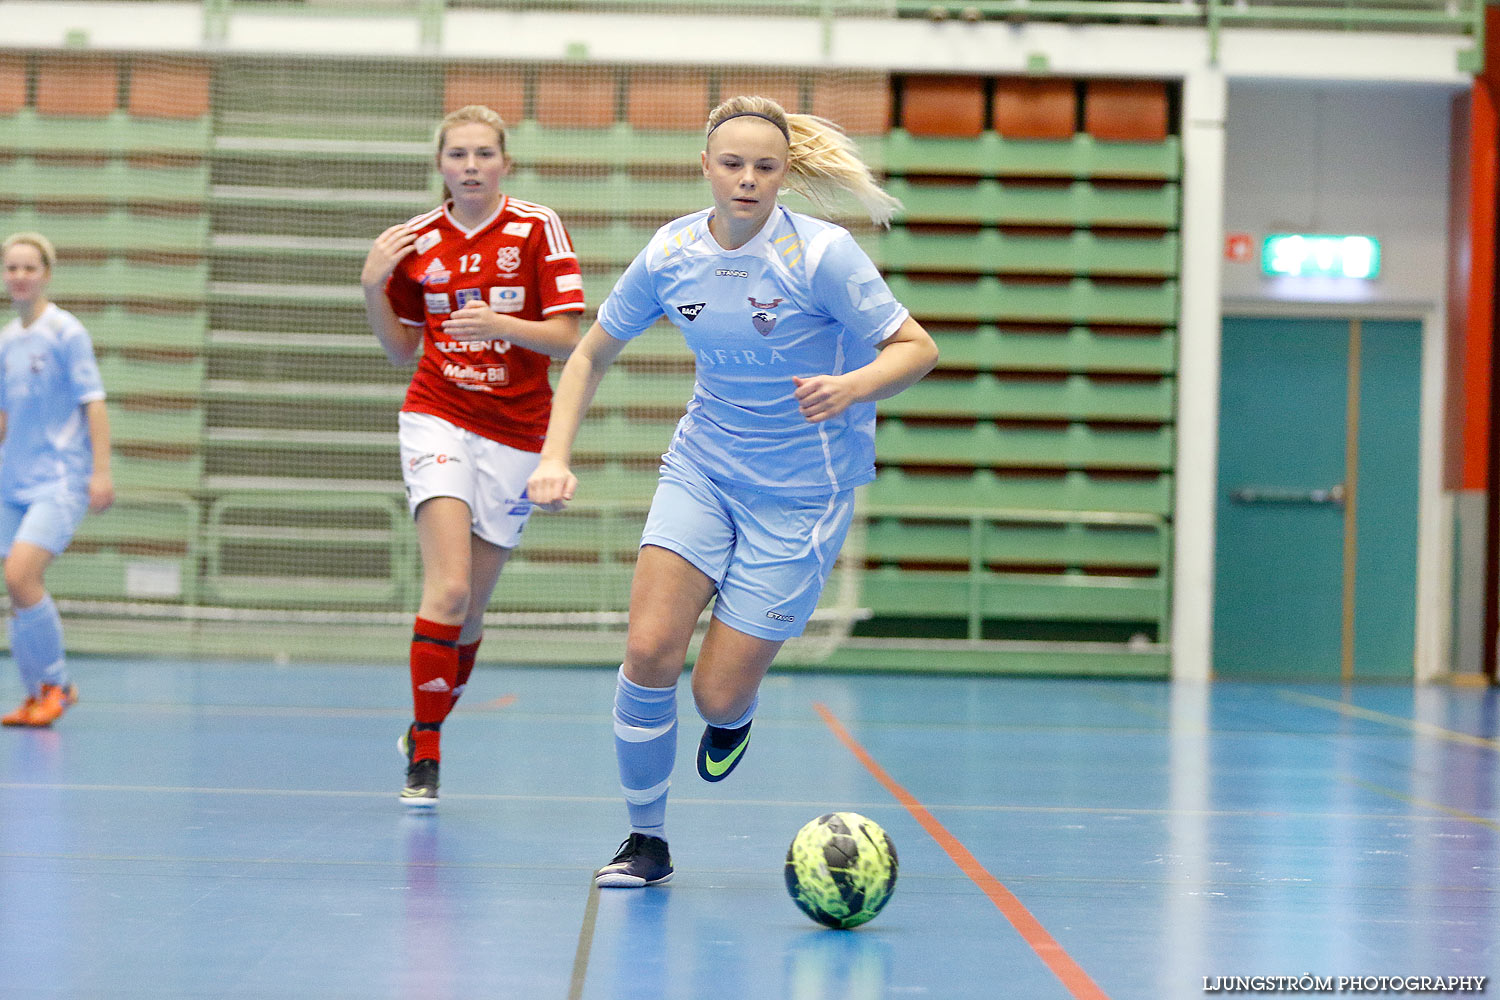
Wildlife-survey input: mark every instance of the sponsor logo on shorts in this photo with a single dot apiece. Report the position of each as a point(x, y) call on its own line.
point(780, 617)
point(521, 229)
point(508, 298)
point(690, 312)
point(517, 505)
point(428, 240)
point(729, 272)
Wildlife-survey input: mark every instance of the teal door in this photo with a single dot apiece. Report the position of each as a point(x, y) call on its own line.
point(1316, 535)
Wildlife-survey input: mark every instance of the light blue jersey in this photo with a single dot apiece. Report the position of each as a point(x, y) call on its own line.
point(800, 298)
point(47, 374)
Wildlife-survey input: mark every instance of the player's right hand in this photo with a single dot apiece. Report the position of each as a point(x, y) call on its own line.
point(552, 485)
point(385, 253)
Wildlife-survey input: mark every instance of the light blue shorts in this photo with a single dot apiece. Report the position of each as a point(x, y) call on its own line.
point(48, 523)
point(768, 555)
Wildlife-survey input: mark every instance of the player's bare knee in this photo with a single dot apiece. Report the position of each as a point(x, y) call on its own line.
point(446, 598)
point(23, 583)
point(719, 705)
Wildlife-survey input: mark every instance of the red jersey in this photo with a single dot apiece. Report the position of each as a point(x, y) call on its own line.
point(519, 262)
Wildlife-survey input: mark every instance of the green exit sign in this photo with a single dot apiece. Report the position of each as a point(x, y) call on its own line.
point(1301, 255)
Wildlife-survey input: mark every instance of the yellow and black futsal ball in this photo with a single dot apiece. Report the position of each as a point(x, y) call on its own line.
point(841, 869)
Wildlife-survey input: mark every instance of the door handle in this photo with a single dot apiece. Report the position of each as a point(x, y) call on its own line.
point(1333, 495)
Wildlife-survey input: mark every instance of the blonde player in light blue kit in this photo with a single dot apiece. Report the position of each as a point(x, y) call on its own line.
point(796, 336)
point(54, 466)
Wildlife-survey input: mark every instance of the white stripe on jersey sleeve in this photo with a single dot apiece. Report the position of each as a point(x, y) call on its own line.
point(557, 237)
point(426, 217)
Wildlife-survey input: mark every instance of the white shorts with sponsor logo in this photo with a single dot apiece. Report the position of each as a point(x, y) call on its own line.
point(439, 459)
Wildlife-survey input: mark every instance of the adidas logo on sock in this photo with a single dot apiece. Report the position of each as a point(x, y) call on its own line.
point(436, 684)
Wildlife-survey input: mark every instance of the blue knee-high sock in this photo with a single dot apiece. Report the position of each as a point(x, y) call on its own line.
point(646, 749)
point(36, 641)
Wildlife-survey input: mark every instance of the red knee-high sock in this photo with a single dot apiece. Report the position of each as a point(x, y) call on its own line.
point(434, 672)
point(467, 653)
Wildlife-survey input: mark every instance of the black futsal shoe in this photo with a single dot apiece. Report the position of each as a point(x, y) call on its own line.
point(642, 860)
point(720, 750)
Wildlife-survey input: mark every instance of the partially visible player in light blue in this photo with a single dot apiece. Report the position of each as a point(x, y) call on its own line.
point(796, 336)
point(54, 466)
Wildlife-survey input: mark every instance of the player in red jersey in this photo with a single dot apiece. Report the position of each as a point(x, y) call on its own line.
point(488, 288)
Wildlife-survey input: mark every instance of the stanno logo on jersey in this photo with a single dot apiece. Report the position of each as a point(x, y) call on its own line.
point(428, 240)
point(436, 273)
point(521, 229)
point(766, 305)
point(690, 312)
point(508, 259)
point(729, 272)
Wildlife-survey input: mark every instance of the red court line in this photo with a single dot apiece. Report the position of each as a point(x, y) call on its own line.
point(1031, 930)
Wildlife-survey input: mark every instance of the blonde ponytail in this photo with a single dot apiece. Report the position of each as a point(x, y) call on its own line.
point(822, 161)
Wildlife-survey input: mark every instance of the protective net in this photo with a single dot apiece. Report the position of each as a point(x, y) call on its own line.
point(212, 216)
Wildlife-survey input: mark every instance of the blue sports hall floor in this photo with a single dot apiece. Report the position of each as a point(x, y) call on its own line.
point(232, 830)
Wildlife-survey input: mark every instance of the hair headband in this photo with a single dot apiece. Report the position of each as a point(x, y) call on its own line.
point(754, 114)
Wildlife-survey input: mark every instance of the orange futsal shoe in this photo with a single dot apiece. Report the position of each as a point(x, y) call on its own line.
point(22, 715)
point(52, 704)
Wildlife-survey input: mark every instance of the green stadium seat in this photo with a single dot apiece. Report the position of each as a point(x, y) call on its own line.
point(113, 230)
point(623, 388)
point(1074, 490)
point(1016, 542)
point(615, 435)
point(615, 195)
point(545, 586)
point(116, 327)
point(1075, 397)
point(1077, 349)
point(115, 134)
point(126, 376)
point(1075, 446)
point(178, 472)
point(988, 202)
point(114, 182)
point(1013, 596)
point(990, 155)
point(990, 252)
point(121, 279)
point(133, 422)
point(987, 299)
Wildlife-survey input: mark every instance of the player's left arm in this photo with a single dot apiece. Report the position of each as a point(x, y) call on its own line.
point(555, 336)
point(101, 483)
point(904, 357)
